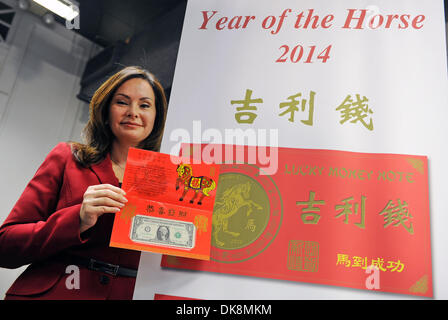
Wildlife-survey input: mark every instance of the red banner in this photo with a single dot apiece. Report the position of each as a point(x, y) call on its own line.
point(339, 218)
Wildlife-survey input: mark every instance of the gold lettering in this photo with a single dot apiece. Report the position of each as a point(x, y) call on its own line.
point(346, 172)
point(382, 175)
point(361, 174)
point(303, 172)
point(333, 172)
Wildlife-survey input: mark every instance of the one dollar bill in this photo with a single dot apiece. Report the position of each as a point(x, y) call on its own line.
point(163, 232)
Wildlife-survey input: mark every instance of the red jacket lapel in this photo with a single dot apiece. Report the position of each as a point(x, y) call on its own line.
point(104, 172)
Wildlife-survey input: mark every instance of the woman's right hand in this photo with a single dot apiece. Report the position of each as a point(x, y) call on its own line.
point(98, 200)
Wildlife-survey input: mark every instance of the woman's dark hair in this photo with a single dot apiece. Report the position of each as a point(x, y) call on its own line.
point(97, 134)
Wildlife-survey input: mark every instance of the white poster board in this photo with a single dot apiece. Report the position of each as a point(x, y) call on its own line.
point(391, 53)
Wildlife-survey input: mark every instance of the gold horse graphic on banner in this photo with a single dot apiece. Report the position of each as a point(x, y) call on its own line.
point(228, 204)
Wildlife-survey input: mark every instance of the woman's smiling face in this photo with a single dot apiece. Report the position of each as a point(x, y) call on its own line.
point(132, 111)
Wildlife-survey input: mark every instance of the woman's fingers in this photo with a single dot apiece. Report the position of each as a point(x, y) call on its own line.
point(108, 187)
point(105, 190)
point(106, 201)
point(98, 200)
point(100, 210)
point(103, 193)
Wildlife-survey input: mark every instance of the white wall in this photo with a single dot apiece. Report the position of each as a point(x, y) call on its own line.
point(40, 70)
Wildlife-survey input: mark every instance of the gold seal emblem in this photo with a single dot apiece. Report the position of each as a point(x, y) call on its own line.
point(247, 213)
point(241, 211)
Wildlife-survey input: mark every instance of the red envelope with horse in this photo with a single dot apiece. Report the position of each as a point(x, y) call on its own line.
point(170, 205)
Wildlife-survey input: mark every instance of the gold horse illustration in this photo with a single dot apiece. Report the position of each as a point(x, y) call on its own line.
point(199, 184)
point(232, 200)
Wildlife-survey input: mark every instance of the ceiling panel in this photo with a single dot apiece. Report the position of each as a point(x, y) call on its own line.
point(108, 21)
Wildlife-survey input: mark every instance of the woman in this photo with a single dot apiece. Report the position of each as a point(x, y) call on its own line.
point(62, 222)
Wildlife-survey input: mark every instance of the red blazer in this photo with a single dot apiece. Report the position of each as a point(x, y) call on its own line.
point(43, 227)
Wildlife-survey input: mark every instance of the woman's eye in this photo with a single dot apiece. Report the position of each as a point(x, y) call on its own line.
point(145, 106)
point(121, 102)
